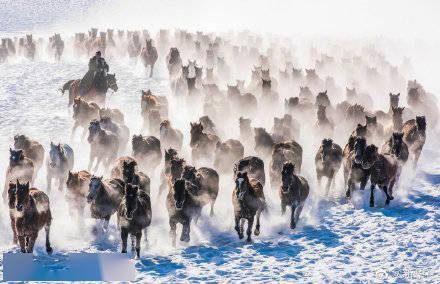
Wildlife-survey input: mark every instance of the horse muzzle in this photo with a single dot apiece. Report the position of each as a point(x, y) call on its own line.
point(179, 205)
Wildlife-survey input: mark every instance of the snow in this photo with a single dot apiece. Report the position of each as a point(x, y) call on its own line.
point(335, 241)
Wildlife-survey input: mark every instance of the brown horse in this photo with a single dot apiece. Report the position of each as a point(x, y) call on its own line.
point(147, 151)
point(20, 168)
point(293, 192)
point(354, 169)
point(202, 144)
point(83, 113)
point(31, 149)
point(205, 185)
point(97, 93)
point(414, 135)
point(126, 169)
point(104, 197)
point(328, 161)
point(289, 151)
point(32, 213)
point(383, 170)
point(149, 55)
point(104, 145)
point(248, 201)
point(170, 137)
point(182, 208)
point(134, 215)
point(227, 153)
point(77, 187)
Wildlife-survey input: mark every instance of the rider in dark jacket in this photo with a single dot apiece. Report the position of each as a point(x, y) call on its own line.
point(96, 64)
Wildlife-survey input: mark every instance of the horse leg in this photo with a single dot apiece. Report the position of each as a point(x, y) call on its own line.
point(106, 221)
point(416, 158)
point(124, 237)
point(14, 230)
point(298, 211)
point(283, 208)
point(146, 235)
point(292, 215)
point(211, 213)
point(318, 177)
point(372, 194)
point(75, 126)
point(364, 181)
point(98, 161)
point(49, 249)
point(249, 229)
point(184, 237)
point(151, 70)
point(346, 175)
point(257, 226)
point(31, 242)
point(390, 188)
point(84, 133)
point(385, 190)
point(237, 227)
point(350, 185)
point(138, 244)
point(173, 227)
point(22, 243)
point(329, 182)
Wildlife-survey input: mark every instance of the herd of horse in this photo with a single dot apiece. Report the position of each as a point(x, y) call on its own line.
point(380, 142)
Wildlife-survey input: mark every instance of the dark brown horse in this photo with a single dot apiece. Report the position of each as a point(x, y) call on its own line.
point(248, 201)
point(383, 170)
point(414, 135)
point(32, 213)
point(134, 216)
point(354, 169)
point(104, 197)
point(328, 161)
point(182, 208)
point(293, 192)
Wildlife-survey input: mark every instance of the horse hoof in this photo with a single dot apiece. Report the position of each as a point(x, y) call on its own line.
point(371, 204)
point(240, 236)
point(387, 202)
point(347, 194)
point(292, 226)
point(249, 240)
point(124, 251)
point(185, 239)
point(256, 232)
point(391, 197)
point(49, 250)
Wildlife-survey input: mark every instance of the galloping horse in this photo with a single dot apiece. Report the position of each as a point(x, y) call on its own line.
point(97, 93)
point(149, 55)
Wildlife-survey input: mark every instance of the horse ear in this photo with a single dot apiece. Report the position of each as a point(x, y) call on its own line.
point(124, 164)
point(27, 184)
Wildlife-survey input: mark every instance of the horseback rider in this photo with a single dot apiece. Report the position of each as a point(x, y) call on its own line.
point(97, 65)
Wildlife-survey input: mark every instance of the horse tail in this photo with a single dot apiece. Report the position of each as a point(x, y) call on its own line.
point(66, 86)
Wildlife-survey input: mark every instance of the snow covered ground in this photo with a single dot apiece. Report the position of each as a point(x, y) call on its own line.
point(335, 241)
